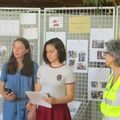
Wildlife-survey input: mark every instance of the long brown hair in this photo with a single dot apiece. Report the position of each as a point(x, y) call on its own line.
point(28, 66)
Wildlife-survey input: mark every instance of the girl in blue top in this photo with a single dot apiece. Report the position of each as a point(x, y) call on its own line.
point(19, 75)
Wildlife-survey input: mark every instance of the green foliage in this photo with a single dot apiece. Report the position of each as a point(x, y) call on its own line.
point(98, 2)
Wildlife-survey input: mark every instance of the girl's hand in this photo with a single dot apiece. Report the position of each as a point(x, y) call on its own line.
point(8, 96)
point(32, 113)
point(50, 100)
point(29, 106)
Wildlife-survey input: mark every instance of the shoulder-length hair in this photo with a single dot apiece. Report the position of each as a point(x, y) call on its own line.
point(113, 46)
point(28, 66)
point(58, 44)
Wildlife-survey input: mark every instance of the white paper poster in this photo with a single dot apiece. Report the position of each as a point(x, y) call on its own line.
point(30, 33)
point(60, 35)
point(97, 47)
point(56, 22)
point(97, 81)
point(28, 18)
point(73, 107)
point(77, 55)
point(9, 28)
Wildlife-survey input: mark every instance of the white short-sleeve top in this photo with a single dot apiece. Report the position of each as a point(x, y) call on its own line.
point(54, 80)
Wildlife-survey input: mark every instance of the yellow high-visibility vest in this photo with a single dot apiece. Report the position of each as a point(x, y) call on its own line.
point(110, 106)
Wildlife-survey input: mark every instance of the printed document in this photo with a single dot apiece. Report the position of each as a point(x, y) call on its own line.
point(37, 98)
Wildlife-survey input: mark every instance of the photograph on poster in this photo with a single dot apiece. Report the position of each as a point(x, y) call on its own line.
point(77, 55)
point(81, 66)
point(72, 54)
point(98, 37)
point(97, 43)
point(71, 63)
point(97, 94)
point(103, 84)
point(100, 54)
point(3, 50)
point(94, 84)
point(81, 56)
point(97, 81)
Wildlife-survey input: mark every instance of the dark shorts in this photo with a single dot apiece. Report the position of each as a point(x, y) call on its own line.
point(57, 112)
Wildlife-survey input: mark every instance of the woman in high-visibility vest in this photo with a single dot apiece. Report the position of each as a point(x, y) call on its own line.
point(110, 106)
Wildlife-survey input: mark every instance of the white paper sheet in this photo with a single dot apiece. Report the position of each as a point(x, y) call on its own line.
point(60, 35)
point(77, 55)
point(28, 18)
point(97, 39)
point(37, 98)
point(73, 107)
point(97, 81)
point(30, 33)
point(9, 27)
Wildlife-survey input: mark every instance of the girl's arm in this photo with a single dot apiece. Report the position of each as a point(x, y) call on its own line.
point(37, 86)
point(2, 87)
point(4, 94)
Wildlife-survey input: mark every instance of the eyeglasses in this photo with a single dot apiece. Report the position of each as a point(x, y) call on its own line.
point(107, 52)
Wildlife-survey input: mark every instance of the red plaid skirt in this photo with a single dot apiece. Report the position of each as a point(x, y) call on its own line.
point(57, 112)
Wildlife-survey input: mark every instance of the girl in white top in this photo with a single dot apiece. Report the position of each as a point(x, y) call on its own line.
point(57, 80)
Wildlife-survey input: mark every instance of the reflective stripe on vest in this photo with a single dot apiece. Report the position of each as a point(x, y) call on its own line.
point(111, 111)
point(115, 102)
point(111, 118)
point(110, 106)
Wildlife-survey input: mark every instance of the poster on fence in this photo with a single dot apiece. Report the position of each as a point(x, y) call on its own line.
point(97, 47)
point(60, 35)
point(79, 24)
point(77, 55)
point(9, 28)
point(30, 33)
point(28, 18)
point(56, 22)
point(97, 81)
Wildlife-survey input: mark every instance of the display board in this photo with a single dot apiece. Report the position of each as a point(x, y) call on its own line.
point(84, 32)
point(16, 23)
